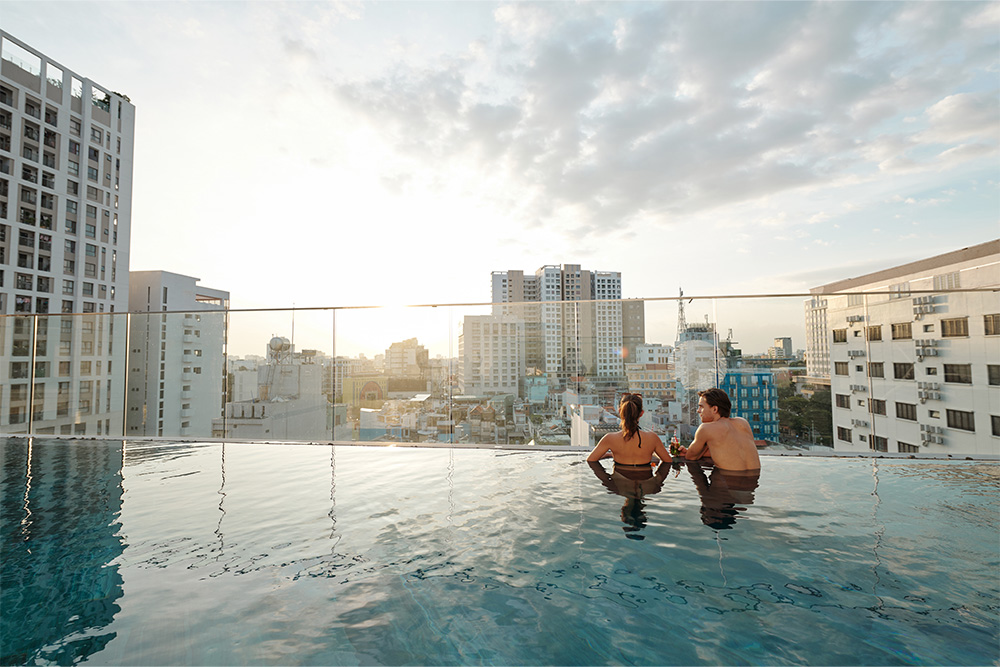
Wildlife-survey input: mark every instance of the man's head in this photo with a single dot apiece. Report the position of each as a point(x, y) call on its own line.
point(713, 404)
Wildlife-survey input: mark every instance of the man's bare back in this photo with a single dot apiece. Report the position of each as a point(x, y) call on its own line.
point(728, 440)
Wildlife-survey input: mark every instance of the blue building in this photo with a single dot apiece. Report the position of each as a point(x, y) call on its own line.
point(755, 398)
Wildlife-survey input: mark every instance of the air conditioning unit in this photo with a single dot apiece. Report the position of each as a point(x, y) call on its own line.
point(929, 352)
point(858, 387)
point(855, 318)
point(855, 353)
point(859, 422)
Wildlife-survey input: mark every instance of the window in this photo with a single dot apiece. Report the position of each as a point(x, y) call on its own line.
point(905, 448)
point(965, 421)
point(899, 290)
point(955, 328)
point(843, 401)
point(902, 331)
point(843, 434)
point(96, 134)
point(947, 281)
point(996, 424)
point(960, 373)
point(840, 335)
point(902, 371)
point(74, 127)
point(906, 411)
point(991, 324)
point(876, 406)
point(993, 374)
point(876, 370)
point(874, 332)
point(840, 368)
point(880, 444)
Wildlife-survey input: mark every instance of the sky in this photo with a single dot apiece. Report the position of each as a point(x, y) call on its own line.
point(358, 154)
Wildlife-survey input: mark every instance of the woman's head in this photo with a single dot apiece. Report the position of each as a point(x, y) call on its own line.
point(629, 411)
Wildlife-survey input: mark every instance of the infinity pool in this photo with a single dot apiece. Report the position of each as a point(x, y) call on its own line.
point(231, 554)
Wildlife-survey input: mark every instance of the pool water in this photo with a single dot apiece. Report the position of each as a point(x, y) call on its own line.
point(172, 554)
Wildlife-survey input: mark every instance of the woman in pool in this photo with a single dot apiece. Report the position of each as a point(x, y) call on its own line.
point(631, 448)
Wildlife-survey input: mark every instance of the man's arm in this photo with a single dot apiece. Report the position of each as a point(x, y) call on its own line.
point(600, 450)
point(699, 446)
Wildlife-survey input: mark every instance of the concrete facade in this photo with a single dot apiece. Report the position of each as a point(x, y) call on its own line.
point(176, 359)
point(915, 365)
point(66, 146)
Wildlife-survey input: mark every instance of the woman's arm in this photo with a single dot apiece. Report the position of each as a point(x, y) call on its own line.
point(660, 450)
point(602, 448)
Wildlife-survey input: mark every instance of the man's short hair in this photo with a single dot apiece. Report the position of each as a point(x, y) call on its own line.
point(717, 398)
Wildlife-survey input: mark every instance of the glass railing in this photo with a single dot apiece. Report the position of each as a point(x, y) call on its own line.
point(914, 373)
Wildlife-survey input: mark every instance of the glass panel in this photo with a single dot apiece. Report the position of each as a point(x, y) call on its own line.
point(537, 374)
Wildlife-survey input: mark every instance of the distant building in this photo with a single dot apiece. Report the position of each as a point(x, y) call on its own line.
point(817, 340)
point(290, 404)
point(915, 365)
point(176, 359)
point(754, 397)
point(575, 323)
point(650, 353)
point(407, 359)
point(66, 146)
point(782, 349)
point(652, 381)
point(492, 353)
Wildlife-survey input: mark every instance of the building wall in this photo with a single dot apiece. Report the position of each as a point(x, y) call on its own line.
point(915, 371)
point(66, 146)
point(176, 359)
point(754, 397)
point(492, 353)
point(817, 338)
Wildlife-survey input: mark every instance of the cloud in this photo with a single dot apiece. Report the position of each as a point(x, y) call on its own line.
point(608, 114)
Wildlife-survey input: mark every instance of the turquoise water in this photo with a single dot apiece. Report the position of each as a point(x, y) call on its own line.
point(304, 554)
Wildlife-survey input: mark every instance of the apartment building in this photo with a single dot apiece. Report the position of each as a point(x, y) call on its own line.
point(491, 350)
point(817, 341)
point(407, 359)
point(915, 365)
point(176, 359)
point(754, 397)
point(66, 146)
point(575, 323)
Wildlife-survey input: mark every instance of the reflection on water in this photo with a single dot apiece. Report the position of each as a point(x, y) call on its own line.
point(58, 595)
point(632, 483)
point(724, 493)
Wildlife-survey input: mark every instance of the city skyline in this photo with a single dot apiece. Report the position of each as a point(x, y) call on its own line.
point(786, 145)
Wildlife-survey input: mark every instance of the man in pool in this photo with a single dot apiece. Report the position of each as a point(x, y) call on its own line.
point(728, 441)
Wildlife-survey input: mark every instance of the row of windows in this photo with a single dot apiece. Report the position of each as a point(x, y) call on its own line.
point(957, 327)
point(957, 419)
point(953, 373)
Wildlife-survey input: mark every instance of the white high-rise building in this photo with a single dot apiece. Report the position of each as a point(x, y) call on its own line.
point(66, 147)
point(575, 323)
point(492, 355)
point(176, 355)
point(817, 340)
point(916, 365)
